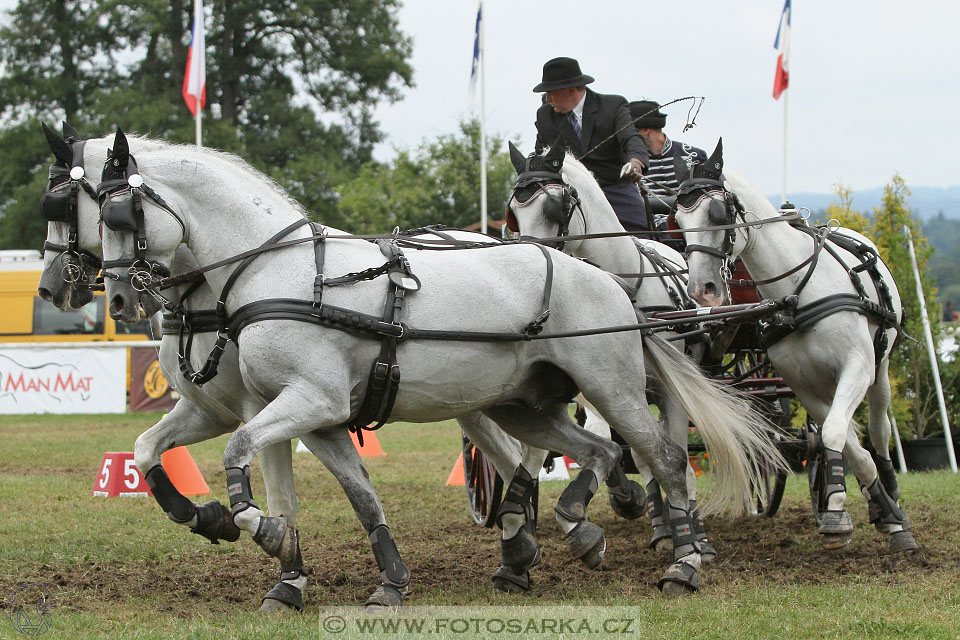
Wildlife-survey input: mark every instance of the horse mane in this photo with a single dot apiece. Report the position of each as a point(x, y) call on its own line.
point(146, 145)
point(751, 197)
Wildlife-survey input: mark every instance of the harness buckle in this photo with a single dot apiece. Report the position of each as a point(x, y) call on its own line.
point(141, 244)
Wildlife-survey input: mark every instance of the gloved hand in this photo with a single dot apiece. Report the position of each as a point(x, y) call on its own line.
point(632, 170)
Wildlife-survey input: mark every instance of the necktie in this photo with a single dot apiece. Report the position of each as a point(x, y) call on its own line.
point(575, 123)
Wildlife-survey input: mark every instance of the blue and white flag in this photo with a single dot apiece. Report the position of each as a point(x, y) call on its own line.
point(477, 46)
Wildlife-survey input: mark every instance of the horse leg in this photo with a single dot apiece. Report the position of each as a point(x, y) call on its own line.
point(505, 454)
point(625, 495)
point(551, 428)
point(668, 462)
point(336, 451)
point(276, 464)
point(676, 422)
point(281, 420)
point(185, 424)
point(883, 492)
point(836, 527)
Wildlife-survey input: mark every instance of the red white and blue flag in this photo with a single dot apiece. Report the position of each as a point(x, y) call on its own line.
point(195, 79)
point(782, 44)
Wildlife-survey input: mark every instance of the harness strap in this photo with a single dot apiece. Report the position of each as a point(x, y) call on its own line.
point(536, 326)
point(384, 380)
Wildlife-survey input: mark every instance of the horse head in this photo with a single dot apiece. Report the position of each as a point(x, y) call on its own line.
point(542, 203)
point(131, 211)
point(703, 202)
point(68, 204)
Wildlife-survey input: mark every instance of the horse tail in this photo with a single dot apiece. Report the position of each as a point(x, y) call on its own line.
point(738, 438)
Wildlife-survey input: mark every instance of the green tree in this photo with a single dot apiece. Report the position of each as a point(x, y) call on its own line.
point(290, 88)
point(909, 362)
point(438, 183)
point(844, 213)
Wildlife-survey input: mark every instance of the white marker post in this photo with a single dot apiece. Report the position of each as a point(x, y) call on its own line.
point(933, 353)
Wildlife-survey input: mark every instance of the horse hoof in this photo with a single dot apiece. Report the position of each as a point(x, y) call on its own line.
point(385, 597)
point(275, 607)
point(662, 540)
point(215, 523)
point(902, 542)
point(633, 505)
point(519, 552)
point(836, 523)
point(680, 579)
point(707, 552)
point(587, 543)
point(832, 541)
point(283, 597)
point(675, 589)
point(507, 581)
point(278, 539)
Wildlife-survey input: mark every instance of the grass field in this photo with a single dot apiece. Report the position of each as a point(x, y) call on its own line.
point(118, 568)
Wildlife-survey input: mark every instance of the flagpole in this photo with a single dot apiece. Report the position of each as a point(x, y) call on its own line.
point(483, 128)
point(784, 166)
point(198, 13)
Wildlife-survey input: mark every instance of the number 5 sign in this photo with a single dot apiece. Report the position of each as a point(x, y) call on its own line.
point(119, 476)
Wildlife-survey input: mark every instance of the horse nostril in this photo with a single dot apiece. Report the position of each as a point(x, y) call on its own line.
point(116, 304)
point(45, 294)
point(709, 289)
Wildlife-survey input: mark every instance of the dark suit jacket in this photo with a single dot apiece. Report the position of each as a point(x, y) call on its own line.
point(602, 115)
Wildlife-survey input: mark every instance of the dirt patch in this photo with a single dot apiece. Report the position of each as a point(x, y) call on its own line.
point(452, 561)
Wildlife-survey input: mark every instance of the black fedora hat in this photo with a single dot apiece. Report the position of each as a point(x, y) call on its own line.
point(648, 113)
point(562, 73)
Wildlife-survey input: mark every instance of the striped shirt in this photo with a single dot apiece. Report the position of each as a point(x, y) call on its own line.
point(661, 173)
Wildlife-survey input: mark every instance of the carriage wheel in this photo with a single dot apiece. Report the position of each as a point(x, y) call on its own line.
point(484, 485)
point(767, 497)
point(816, 470)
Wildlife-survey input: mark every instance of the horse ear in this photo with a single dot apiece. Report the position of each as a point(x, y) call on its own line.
point(715, 162)
point(680, 168)
point(554, 157)
point(121, 149)
point(518, 159)
point(70, 132)
point(62, 150)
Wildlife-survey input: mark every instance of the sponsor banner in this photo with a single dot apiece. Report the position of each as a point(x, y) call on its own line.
point(63, 380)
point(149, 390)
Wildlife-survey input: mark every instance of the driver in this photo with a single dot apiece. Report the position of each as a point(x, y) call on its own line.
point(585, 120)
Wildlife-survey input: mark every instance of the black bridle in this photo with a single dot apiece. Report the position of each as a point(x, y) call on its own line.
point(558, 207)
point(60, 203)
point(121, 209)
point(722, 211)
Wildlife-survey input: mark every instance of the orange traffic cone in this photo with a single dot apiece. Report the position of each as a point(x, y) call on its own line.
point(456, 479)
point(183, 472)
point(371, 446)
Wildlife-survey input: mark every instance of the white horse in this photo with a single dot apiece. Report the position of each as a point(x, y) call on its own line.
point(207, 411)
point(847, 321)
point(558, 178)
point(218, 407)
point(313, 376)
